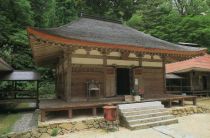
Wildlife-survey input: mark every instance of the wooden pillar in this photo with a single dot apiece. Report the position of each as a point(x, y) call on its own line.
point(194, 101)
point(181, 102)
point(57, 80)
point(140, 60)
point(63, 81)
point(43, 115)
point(70, 113)
point(181, 87)
point(15, 88)
point(169, 103)
point(68, 74)
point(191, 83)
point(94, 111)
point(37, 94)
point(164, 74)
point(104, 65)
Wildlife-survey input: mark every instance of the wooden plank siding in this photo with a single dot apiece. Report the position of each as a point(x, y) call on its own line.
point(80, 75)
point(153, 81)
point(74, 70)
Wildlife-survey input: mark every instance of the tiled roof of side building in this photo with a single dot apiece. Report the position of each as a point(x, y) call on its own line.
point(201, 63)
point(94, 30)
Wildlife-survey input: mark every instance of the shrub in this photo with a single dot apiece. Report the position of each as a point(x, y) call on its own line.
point(54, 132)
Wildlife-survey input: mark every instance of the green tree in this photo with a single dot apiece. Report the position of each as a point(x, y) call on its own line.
point(190, 7)
point(65, 11)
point(41, 11)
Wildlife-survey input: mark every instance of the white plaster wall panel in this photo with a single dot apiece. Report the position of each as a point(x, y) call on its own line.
point(95, 52)
point(147, 56)
point(116, 54)
point(87, 61)
point(132, 55)
point(156, 57)
point(80, 51)
point(152, 64)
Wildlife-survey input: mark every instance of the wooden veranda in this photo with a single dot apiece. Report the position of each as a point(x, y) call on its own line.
point(51, 105)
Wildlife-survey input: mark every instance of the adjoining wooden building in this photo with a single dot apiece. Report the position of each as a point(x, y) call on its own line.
point(115, 58)
point(194, 76)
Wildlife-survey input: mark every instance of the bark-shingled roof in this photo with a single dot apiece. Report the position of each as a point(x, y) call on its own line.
point(113, 33)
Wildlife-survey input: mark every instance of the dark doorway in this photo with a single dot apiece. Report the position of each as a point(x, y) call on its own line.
point(123, 81)
point(204, 81)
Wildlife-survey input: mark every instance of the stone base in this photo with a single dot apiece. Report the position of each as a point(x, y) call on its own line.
point(187, 110)
point(44, 131)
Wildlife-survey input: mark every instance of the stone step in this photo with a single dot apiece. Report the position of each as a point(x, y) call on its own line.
point(146, 115)
point(140, 106)
point(147, 111)
point(150, 119)
point(153, 124)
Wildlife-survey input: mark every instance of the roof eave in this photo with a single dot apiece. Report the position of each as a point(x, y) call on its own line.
point(67, 41)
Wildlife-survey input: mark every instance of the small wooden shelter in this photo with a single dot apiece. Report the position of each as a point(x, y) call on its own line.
point(194, 76)
point(12, 93)
point(117, 59)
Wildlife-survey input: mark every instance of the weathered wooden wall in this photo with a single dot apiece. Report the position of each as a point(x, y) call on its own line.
point(147, 71)
point(197, 80)
point(80, 76)
point(153, 81)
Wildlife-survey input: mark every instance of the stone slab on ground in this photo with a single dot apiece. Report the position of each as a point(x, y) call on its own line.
point(172, 132)
point(123, 133)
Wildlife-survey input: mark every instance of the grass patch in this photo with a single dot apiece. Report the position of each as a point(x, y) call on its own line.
point(7, 121)
point(22, 105)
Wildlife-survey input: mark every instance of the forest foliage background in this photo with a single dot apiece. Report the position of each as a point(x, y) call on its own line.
point(171, 20)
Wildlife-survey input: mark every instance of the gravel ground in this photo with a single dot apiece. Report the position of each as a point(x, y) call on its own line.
point(27, 121)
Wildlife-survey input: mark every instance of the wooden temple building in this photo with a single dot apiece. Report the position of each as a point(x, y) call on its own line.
point(191, 77)
point(99, 60)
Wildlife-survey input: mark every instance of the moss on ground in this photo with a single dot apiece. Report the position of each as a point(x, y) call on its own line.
point(9, 115)
point(7, 120)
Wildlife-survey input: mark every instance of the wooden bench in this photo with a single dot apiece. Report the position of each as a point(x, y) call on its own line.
point(201, 93)
point(181, 100)
point(169, 98)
